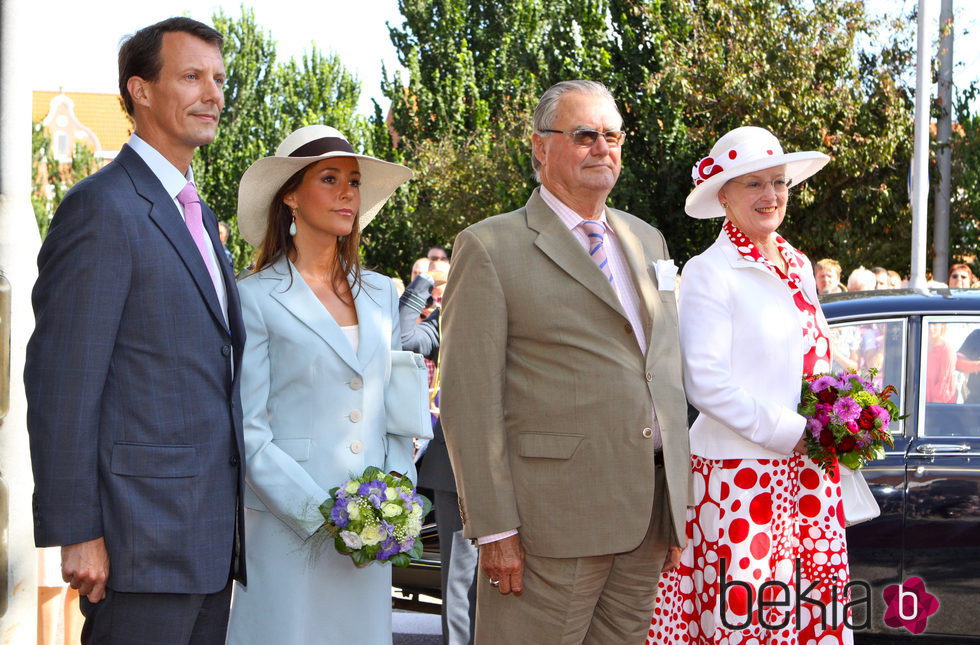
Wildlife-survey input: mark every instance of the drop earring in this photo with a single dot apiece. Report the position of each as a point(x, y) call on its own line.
point(292, 225)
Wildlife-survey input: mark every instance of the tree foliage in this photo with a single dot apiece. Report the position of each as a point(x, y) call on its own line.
point(684, 73)
point(51, 179)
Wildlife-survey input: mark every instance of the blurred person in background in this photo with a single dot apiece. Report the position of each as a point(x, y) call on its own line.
point(861, 279)
point(894, 279)
point(881, 278)
point(960, 277)
point(827, 274)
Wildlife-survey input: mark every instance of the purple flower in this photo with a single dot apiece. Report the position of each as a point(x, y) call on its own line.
point(389, 548)
point(406, 545)
point(338, 515)
point(880, 413)
point(846, 409)
point(815, 427)
point(823, 383)
point(373, 487)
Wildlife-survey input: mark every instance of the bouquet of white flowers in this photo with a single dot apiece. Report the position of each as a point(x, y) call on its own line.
point(374, 517)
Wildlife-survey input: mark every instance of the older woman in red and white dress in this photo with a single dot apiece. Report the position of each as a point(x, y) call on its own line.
point(765, 522)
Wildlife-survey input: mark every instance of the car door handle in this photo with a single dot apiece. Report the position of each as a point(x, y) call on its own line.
point(938, 448)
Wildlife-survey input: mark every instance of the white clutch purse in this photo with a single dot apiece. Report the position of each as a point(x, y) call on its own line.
point(859, 503)
point(407, 396)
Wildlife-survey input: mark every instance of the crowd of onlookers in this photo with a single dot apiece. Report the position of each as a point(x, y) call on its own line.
point(828, 275)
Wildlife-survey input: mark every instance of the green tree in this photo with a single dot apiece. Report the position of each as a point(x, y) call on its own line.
point(265, 100)
point(51, 179)
point(684, 73)
point(964, 224)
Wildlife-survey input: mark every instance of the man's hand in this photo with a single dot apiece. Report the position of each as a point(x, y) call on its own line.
point(85, 566)
point(503, 561)
point(673, 558)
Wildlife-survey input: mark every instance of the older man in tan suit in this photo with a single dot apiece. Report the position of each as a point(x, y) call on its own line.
point(562, 401)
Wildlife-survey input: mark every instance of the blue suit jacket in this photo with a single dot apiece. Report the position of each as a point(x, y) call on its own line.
point(134, 412)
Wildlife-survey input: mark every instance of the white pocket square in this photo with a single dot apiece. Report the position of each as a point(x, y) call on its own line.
point(666, 272)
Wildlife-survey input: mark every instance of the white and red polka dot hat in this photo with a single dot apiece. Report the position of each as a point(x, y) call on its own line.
point(739, 152)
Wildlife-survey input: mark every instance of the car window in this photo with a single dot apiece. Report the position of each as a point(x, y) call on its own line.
point(951, 376)
point(880, 345)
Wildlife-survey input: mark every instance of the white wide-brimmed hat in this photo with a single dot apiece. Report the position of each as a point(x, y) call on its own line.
point(264, 178)
point(739, 152)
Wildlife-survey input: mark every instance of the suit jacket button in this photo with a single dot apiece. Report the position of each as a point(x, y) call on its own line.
point(355, 415)
point(226, 350)
point(649, 376)
point(647, 433)
point(234, 460)
point(357, 447)
point(356, 383)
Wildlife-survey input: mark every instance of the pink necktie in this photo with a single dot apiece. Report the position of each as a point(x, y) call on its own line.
point(597, 250)
point(195, 223)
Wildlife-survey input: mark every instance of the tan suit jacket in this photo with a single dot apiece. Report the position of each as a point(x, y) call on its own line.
point(545, 393)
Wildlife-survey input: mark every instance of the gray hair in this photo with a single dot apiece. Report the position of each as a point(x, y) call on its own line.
point(547, 109)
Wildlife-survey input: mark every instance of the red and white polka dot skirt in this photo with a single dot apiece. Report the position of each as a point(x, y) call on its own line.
point(773, 526)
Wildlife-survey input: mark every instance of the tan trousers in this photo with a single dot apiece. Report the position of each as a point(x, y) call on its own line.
point(599, 600)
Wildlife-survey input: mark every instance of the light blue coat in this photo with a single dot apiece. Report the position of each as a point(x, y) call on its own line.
point(314, 410)
point(314, 414)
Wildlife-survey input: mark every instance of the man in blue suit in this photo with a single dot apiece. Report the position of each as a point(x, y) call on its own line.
point(132, 373)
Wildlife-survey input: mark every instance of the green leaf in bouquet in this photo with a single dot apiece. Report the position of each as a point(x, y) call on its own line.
point(338, 543)
point(416, 550)
point(852, 460)
point(400, 560)
point(373, 472)
point(362, 557)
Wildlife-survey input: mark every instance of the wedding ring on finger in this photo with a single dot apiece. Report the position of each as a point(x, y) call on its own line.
point(493, 583)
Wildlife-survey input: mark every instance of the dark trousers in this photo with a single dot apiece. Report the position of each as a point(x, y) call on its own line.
point(157, 618)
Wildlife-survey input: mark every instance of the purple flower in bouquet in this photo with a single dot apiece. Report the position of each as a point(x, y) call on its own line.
point(823, 383)
point(846, 409)
point(338, 514)
point(406, 545)
point(389, 548)
point(880, 413)
point(845, 383)
point(374, 491)
point(815, 427)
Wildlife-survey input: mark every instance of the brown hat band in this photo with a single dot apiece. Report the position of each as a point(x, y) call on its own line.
point(322, 146)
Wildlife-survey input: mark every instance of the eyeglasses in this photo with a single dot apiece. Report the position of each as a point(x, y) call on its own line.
point(779, 186)
point(587, 138)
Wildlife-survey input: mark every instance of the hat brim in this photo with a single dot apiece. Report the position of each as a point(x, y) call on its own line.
point(264, 178)
point(703, 203)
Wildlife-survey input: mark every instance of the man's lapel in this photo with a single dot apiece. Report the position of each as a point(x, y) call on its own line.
point(164, 213)
point(558, 243)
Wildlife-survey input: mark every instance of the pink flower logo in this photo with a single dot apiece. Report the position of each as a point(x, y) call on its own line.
point(909, 605)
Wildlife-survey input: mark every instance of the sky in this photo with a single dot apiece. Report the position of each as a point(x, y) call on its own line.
point(80, 39)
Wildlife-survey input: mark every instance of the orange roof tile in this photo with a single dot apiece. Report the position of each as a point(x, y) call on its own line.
point(101, 113)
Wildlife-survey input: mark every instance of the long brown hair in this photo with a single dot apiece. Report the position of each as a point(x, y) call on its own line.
point(278, 242)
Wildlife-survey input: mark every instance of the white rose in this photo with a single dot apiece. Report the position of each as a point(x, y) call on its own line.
point(351, 539)
point(390, 509)
point(372, 535)
point(353, 511)
point(391, 494)
point(351, 487)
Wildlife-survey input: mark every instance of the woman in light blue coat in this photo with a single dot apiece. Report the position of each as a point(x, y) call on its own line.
point(320, 331)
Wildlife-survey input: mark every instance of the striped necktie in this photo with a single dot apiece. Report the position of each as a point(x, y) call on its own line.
point(597, 249)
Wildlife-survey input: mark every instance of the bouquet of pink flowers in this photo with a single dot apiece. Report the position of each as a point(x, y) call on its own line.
point(374, 517)
point(847, 419)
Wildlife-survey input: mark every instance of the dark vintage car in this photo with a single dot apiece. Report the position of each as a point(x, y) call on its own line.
point(928, 485)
